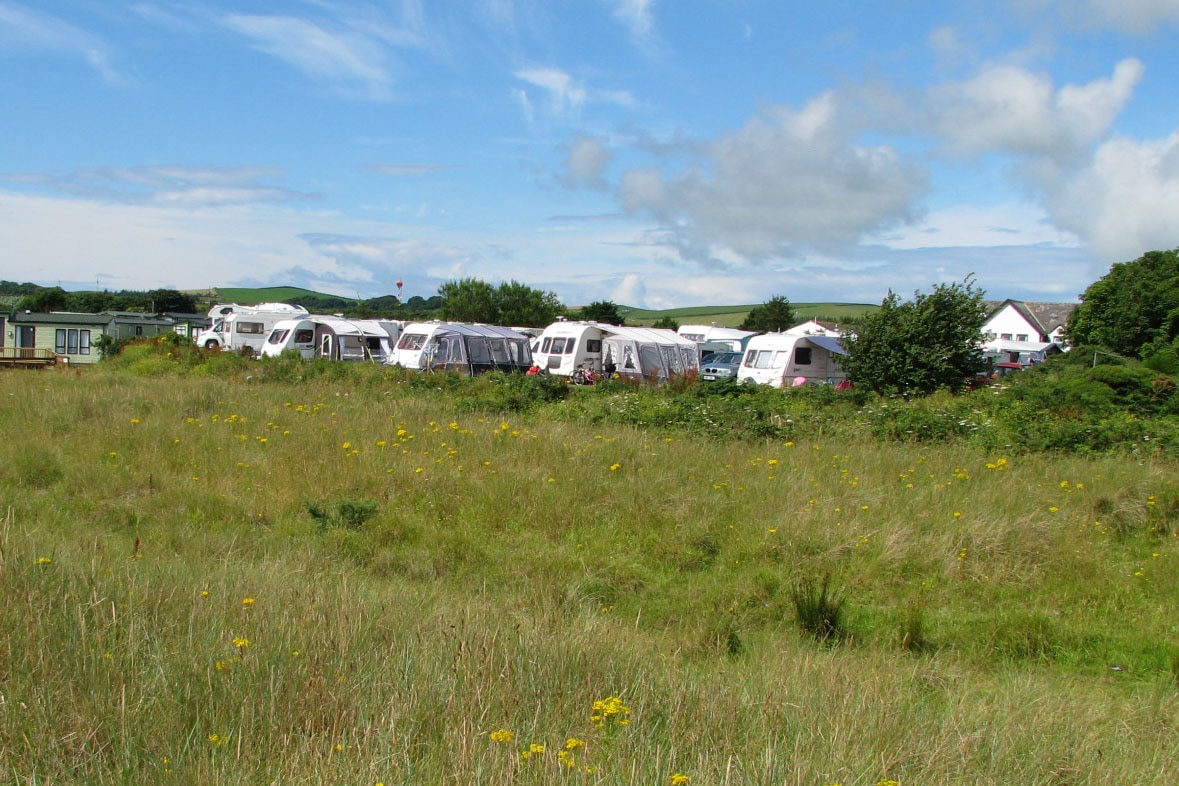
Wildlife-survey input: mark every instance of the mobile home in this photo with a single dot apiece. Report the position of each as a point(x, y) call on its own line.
point(787, 360)
point(713, 338)
point(238, 327)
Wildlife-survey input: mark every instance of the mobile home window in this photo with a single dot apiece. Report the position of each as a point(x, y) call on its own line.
point(59, 343)
point(802, 356)
point(253, 328)
point(83, 342)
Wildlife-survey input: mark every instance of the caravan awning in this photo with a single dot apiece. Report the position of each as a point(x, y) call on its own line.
point(829, 343)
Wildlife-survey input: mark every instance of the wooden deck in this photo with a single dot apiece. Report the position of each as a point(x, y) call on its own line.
point(26, 357)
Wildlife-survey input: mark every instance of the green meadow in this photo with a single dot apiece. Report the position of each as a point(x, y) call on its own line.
point(236, 572)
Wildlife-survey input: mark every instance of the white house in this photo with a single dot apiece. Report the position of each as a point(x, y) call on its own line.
point(1025, 333)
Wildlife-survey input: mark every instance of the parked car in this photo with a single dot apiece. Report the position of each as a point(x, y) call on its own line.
point(721, 365)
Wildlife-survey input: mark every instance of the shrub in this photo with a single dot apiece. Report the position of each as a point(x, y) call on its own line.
point(819, 609)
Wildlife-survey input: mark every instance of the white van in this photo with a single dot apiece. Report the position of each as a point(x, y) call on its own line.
point(237, 327)
point(788, 360)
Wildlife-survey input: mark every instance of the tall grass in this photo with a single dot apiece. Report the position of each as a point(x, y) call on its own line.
point(174, 612)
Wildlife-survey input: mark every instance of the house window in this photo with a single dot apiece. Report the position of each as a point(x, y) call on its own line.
point(1005, 336)
point(71, 341)
point(1021, 337)
point(802, 356)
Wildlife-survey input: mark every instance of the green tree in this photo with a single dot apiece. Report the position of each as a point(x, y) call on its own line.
point(523, 306)
point(773, 316)
point(1134, 309)
point(468, 300)
point(603, 311)
point(164, 300)
point(922, 345)
point(666, 323)
point(46, 299)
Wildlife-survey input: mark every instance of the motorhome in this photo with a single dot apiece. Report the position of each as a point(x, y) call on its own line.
point(573, 348)
point(333, 337)
point(244, 328)
point(789, 360)
point(476, 349)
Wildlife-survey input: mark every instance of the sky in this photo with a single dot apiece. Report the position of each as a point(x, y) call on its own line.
point(652, 153)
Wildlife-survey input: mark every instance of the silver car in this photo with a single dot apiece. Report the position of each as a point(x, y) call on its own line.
point(721, 365)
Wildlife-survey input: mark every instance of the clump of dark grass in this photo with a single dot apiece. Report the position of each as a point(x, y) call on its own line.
point(346, 514)
point(819, 609)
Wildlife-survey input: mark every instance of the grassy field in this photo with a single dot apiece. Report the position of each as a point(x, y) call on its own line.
point(224, 579)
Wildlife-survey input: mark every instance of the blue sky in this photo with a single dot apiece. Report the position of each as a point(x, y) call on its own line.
point(654, 153)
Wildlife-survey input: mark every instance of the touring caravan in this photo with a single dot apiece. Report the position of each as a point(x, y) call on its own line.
point(407, 353)
point(570, 348)
point(787, 360)
point(336, 338)
point(245, 328)
point(476, 349)
point(711, 338)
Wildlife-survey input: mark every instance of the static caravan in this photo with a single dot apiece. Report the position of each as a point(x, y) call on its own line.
point(245, 327)
point(476, 349)
point(336, 338)
point(788, 360)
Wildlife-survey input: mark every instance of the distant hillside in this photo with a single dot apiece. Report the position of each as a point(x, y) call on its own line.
point(733, 316)
point(250, 296)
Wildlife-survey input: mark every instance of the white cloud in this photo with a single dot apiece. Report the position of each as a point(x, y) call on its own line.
point(1126, 16)
point(637, 17)
point(1010, 108)
point(167, 185)
point(352, 62)
point(565, 97)
point(587, 162)
point(787, 181)
point(1126, 201)
point(22, 28)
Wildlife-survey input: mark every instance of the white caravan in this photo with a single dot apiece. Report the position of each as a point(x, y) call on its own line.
point(244, 327)
point(336, 338)
point(414, 337)
point(711, 338)
point(572, 348)
point(789, 360)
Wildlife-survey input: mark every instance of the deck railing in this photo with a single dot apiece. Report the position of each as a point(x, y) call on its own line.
point(27, 356)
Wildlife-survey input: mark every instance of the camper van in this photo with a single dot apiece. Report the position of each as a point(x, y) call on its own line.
point(336, 338)
point(788, 360)
point(573, 348)
point(244, 328)
point(476, 349)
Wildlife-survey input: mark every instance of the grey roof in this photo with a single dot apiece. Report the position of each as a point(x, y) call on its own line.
point(1046, 316)
point(58, 318)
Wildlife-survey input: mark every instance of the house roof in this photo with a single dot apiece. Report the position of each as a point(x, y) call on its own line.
point(58, 318)
point(1045, 317)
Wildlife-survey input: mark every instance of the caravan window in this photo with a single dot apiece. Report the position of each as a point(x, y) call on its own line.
point(802, 356)
point(593, 345)
point(413, 341)
point(759, 358)
point(278, 336)
point(251, 328)
point(304, 336)
point(544, 345)
point(558, 346)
